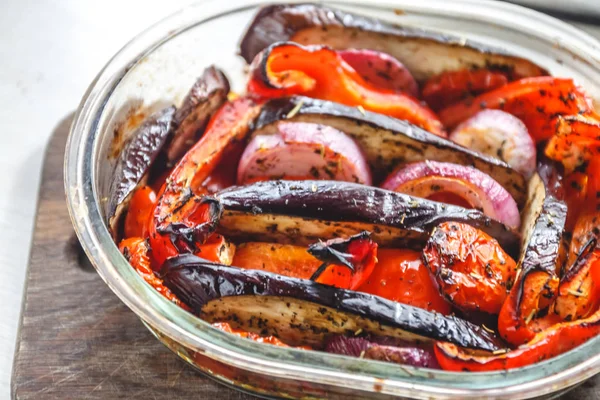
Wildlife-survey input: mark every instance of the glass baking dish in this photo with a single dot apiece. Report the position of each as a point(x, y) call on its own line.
point(159, 66)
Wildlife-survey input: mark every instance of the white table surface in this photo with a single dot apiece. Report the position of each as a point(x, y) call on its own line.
point(49, 52)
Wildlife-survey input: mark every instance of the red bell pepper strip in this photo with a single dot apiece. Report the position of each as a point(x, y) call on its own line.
point(536, 101)
point(357, 253)
point(140, 211)
point(549, 343)
point(289, 260)
point(184, 218)
point(401, 276)
point(286, 69)
point(136, 251)
point(449, 87)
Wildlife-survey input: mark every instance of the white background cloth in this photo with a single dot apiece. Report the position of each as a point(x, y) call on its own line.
point(50, 50)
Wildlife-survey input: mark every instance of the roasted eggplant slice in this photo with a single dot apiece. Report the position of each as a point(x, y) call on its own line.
point(386, 141)
point(135, 161)
point(302, 212)
point(204, 98)
point(542, 255)
point(424, 53)
point(304, 312)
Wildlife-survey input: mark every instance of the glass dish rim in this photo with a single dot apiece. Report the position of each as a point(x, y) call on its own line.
point(84, 209)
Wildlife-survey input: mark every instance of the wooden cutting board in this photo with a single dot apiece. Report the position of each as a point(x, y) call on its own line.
point(78, 341)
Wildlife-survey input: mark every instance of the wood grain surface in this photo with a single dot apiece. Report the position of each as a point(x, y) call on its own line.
point(78, 341)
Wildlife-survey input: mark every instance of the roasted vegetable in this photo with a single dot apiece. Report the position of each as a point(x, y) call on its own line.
point(136, 252)
point(370, 349)
point(304, 312)
point(140, 211)
point(301, 150)
point(204, 98)
point(449, 87)
point(425, 53)
point(579, 290)
point(535, 101)
point(135, 161)
point(357, 253)
point(541, 260)
point(575, 143)
point(381, 70)
point(183, 219)
point(471, 269)
point(286, 69)
point(446, 182)
point(551, 342)
point(289, 260)
point(501, 135)
point(302, 212)
point(401, 276)
point(386, 142)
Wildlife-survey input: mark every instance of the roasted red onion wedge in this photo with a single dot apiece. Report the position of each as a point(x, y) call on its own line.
point(401, 353)
point(303, 150)
point(381, 70)
point(433, 180)
point(303, 212)
point(501, 135)
point(425, 53)
point(303, 312)
point(135, 161)
point(204, 98)
point(386, 141)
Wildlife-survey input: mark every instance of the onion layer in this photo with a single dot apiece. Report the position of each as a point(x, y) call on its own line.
point(447, 182)
point(381, 70)
point(499, 134)
point(303, 151)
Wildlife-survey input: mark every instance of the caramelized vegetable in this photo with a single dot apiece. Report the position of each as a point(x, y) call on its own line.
point(289, 260)
point(438, 181)
point(449, 87)
point(301, 311)
point(556, 340)
point(136, 251)
point(387, 142)
point(133, 166)
point(286, 69)
point(535, 101)
point(579, 290)
point(541, 259)
point(381, 70)
point(425, 53)
point(204, 99)
point(140, 211)
point(576, 142)
point(357, 253)
point(470, 267)
point(587, 199)
point(401, 276)
point(183, 219)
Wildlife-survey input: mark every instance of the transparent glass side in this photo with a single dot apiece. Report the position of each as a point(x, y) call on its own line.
point(158, 67)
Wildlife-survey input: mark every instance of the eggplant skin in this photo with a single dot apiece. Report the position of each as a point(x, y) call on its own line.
point(544, 246)
point(207, 95)
point(316, 209)
point(387, 142)
point(135, 161)
point(300, 311)
point(424, 53)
